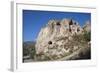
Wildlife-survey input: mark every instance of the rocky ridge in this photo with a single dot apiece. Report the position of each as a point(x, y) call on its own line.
point(62, 40)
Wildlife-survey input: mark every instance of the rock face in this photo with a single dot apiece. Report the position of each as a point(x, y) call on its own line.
point(58, 41)
point(87, 26)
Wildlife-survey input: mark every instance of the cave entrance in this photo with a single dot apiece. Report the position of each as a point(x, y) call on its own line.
point(70, 30)
point(50, 42)
point(71, 22)
point(58, 24)
point(78, 29)
point(75, 23)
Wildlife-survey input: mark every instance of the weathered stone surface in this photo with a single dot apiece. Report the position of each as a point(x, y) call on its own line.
point(56, 40)
point(87, 26)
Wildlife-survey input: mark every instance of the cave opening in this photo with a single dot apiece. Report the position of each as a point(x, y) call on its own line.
point(58, 24)
point(75, 23)
point(71, 22)
point(78, 29)
point(50, 42)
point(70, 30)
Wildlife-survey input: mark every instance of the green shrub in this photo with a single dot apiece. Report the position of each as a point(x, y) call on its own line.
point(87, 36)
point(32, 53)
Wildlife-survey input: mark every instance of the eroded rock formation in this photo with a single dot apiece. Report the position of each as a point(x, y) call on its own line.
point(61, 40)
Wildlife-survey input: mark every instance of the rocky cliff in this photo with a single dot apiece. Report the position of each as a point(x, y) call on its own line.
point(62, 40)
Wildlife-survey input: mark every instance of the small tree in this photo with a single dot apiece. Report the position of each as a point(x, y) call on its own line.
point(32, 53)
point(87, 36)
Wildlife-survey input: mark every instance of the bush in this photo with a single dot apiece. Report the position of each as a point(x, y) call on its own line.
point(29, 49)
point(87, 36)
point(32, 53)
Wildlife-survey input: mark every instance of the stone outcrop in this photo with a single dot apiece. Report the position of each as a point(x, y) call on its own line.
point(87, 26)
point(56, 40)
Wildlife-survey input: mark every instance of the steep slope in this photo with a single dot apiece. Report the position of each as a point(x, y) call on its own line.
point(61, 40)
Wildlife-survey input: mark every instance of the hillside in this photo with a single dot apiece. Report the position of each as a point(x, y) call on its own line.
point(63, 40)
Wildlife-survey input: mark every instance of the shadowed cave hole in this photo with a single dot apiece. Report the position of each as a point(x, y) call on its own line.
point(78, 29)
point(75, 23)
point(70, 30)
point(50, 42)
point(58, 24)
point(71, 22)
